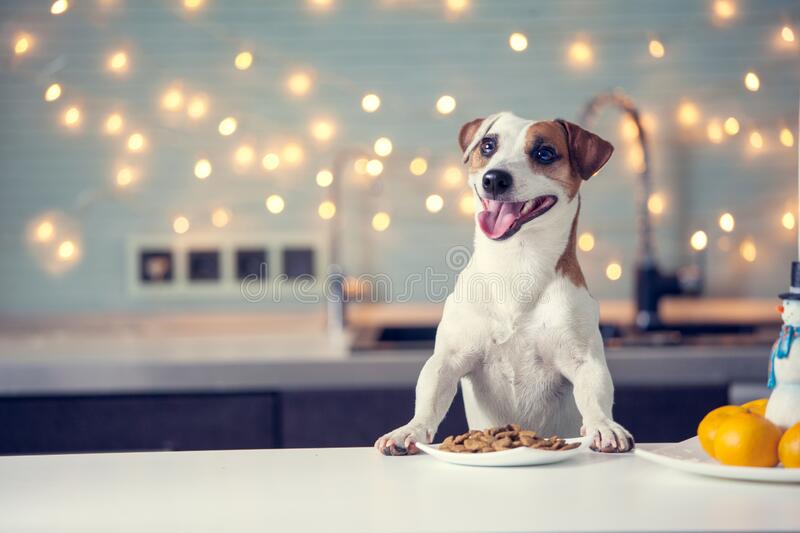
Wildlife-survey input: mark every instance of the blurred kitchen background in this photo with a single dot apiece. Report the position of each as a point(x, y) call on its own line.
point(187, 188)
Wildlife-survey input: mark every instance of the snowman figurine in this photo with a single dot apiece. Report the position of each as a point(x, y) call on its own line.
point(783, 407)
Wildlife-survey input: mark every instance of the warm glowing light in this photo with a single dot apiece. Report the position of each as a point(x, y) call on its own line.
point(66, 250)
point(635, 158)
point(580, 53)
point(202, 169)
point(586, 242)
point(244, 155)
point(715, 132)
point(374, 167)
point(360, 165)
point(727, 222)
point(382, 147)
point(518, 42)
point(197, 108)
point(172, 100)
point(699, 240)
point(118, 62)
point(452, 177)
point(370, 103)
point(292, 154)
point(192, 5)
point(299, 83)
point(227, 126)
point(136, 142)
point(731, 126)
point(724, 9)
point(326, 210)
point(113, 124)
point(72, 117)
point(275, 204)
point(243, 60)
point(628, 128)
point(125, 177)
point(45, 231)
point(649, 122)
point(655, 203)
point(418, 166)
point(320, 3)
point(688, 114)
point(322, 130)
point(787, 34)
point(614, 271)
point(180, 225)
point(656, 48)
point(22, 44)
point(752, 82)
point(324, 178)
point(270, 161)
point(756, 140)
point(788, 220)
point(59, 6)
point(748, 250)
point(467, 204)
point(786, 137)
point(52, 93)
point(220, 217)
point(446, 104)
point(434, 203)
point(381, 221)
point(457, 6)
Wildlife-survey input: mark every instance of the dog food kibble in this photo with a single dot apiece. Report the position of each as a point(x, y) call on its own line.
point(502, 438)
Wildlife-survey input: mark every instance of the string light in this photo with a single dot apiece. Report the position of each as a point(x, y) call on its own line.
point(197, 108)
point(699, 240)
point(299, 83)
point(649, 122)
point(614, 271)
point(270, 161)
point(467, 204)
point(786, 137)
point(66, 250)
point(324, 178)
point(688, 113)
point(244, 156)
point(751, 81)
point(113, 123)
point(787, 34)
point(457, 6)
point(518, 42)
point(172, 99)
point(52, 93)
point(731, 126)
point(275, 204)
point(45, 231)
point(124, 177)
point(243, 60)
point(381, 221)
point(715, 132)
point(748, 250)
point(22, 44)
point(118, 61)
point(382, 147)
point(580, 53)
point(326, 210)
point(628, 128)
point(180, 225)
point(635, 158)
point(586, 241)
point(434, 203)
point(322, 130)
point(724, 9)
point(446, 104)
point(59, 6)
point(193, 5)
point(292, 154)
point(418, 166)
point(227, 126)
point(656, 48)
point(756, 140)
point(370, 103)
point(655, 203)
point(452, 177)
point(202, 169)
point(72, 117)
point(220, 217)
point(788, 220)
point(374, 167)
point(320, 3)
point(360, 165)
point(727, 222)
point(135, 142)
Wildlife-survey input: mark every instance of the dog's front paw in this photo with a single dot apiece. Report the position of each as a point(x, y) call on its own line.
point(608, 436)
point(402, 441)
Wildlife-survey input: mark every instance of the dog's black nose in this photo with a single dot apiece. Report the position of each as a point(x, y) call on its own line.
point(496, 182)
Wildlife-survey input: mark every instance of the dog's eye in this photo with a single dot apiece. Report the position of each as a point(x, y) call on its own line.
point(544, 155)
point(488, 146)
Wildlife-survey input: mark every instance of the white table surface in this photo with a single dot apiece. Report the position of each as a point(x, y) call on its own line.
point(355, 489)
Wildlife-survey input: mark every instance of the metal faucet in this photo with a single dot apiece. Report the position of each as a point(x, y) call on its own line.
point(651, 283)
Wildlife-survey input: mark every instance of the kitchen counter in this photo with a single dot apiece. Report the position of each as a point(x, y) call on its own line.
point(355, 489)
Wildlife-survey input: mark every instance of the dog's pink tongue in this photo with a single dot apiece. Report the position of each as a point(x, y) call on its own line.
point(498, 217)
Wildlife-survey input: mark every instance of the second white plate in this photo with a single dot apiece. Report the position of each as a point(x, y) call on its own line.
point(515, 457)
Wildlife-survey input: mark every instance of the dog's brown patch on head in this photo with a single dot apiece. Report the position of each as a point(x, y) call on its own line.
point(465, 137)
point(588, 153)
point(567, 264)
point(550, 133)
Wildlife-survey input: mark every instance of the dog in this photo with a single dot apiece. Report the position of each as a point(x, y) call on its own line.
point(530, 351)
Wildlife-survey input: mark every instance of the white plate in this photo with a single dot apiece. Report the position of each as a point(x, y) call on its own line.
point(689, 456)
point(515, 457)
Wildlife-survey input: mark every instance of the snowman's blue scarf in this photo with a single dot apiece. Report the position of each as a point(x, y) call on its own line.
point(780, 349)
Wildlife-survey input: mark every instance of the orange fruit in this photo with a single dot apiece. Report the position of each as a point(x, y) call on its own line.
point(789, 447)
point(707, 430)
point(758, 407)
point(747, 439)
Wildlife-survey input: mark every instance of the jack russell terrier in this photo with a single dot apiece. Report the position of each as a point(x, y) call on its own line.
point(529, 351)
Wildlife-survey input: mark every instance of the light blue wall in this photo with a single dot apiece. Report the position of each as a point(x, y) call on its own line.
point(409, 53)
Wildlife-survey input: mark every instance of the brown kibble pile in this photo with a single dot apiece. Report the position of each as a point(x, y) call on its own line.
point(503, 438)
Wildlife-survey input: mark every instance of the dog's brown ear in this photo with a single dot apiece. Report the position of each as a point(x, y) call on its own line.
point(587, 152)
point(468, 132)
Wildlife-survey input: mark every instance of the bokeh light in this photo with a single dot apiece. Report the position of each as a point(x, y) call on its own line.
point(370, 103)
point(434, 203)
point(446, 104)
point(381, 221)
point(52, 93)
point(275, 204)
point(418, 166)
point(726, 222)
point(202, 169)
point(324, 178)
point(586, 242)
point(382, 146)
point(326, 210)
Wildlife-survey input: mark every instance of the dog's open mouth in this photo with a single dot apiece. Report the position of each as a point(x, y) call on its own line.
point(500, 220)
